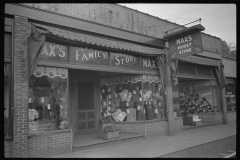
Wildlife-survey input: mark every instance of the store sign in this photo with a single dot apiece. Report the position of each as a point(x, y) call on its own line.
point(149, 63)
point(125, 61)
point(88, 56)
point(186, 45)
point(91, 57)
point(54, 52)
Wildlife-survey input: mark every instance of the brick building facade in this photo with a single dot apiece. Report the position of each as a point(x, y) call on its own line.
point(124, 28)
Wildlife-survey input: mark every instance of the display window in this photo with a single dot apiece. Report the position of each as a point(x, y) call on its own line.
point(47, 99)
point(132, 98)
point(196, 97)
point(230, 95)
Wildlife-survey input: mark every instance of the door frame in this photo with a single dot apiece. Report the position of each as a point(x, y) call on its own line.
point(95, 101)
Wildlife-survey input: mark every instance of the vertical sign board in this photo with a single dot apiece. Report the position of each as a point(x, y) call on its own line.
point(54, 52)
point(125, 61)
point(186, 45)
point(88, 56)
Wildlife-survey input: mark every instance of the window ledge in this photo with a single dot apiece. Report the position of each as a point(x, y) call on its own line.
point(33, 134)
point(147, 121)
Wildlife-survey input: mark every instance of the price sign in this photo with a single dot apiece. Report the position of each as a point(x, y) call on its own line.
point(140, 99)
point(48, 106)
point(156, 110)
point(104, 103)
point(126, 103)
point(109, 102)
point(144, 111)
point(134, 92)
point(138, 107)
point(128, 111)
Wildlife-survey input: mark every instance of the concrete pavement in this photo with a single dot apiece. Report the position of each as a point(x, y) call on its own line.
point(158, 146)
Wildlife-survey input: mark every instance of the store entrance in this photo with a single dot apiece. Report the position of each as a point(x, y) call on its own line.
point(85, 104)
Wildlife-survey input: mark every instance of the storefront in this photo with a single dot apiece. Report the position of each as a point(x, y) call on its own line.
point(75, 85)
point(229, 62)
point(70, 77)
point(197, 90)
point(197, 78)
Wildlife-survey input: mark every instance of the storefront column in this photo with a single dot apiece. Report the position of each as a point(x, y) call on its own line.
point(224, 106)
point(169, 97)
point(20, 111)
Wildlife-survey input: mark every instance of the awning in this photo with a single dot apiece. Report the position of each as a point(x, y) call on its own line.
point(200, 60)
point(99, 41)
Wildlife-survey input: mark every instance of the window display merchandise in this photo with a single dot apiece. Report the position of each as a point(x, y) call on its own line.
point(48, 99)
point(132, 98)
point(196, 97)
point(230, 95)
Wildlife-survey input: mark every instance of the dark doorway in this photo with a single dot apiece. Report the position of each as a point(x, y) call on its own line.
point(86, 112)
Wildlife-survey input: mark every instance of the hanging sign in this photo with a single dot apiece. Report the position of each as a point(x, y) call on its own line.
point(186, 45)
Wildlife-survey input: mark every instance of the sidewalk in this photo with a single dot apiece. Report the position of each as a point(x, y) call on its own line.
point(155, 147)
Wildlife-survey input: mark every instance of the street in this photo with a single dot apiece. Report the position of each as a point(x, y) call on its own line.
point(215, 149)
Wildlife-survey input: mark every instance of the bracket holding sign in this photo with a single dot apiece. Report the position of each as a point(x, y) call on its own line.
point(185, 42)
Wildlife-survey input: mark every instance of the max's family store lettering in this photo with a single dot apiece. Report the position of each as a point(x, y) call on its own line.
point(57, 52)
point(186, 45)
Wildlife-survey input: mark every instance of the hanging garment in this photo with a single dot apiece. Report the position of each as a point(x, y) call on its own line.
point(131, 115)
point(147, 95)
point(104, 92)
point(140, 113)
point(117, 98)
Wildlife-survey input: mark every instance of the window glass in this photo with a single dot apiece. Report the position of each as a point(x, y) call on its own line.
point(204, 70)
point(186, 68)
point(7, 45)
point(48, 99)
point(6, 97)
point(124, 98)
point(230, 95)
point(198, 97)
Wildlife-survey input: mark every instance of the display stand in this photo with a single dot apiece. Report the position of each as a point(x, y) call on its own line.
point(188, 120)
point(113, 134)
